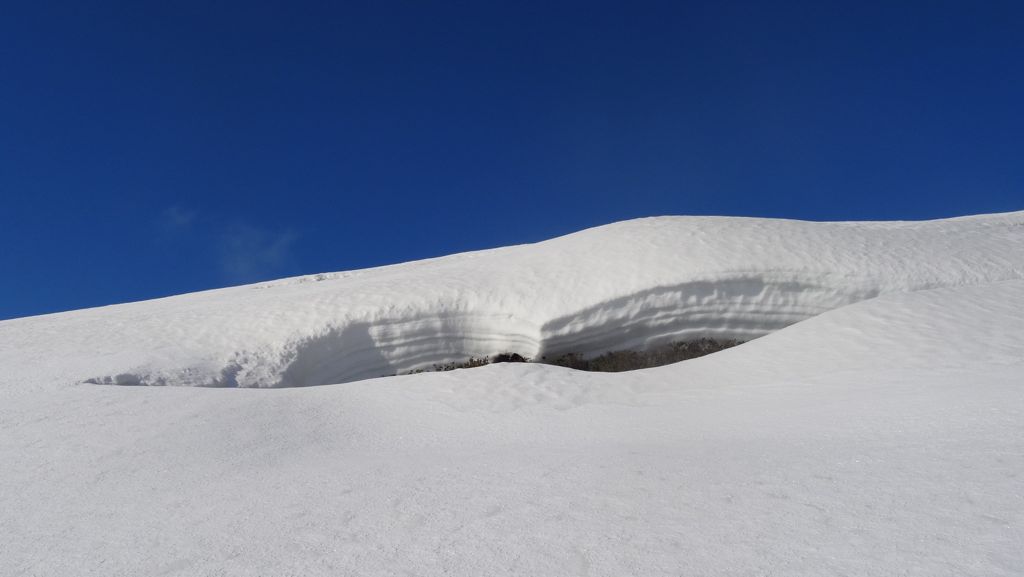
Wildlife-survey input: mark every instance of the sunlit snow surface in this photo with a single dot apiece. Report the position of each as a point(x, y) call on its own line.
point(884, 437)
point(625, 286)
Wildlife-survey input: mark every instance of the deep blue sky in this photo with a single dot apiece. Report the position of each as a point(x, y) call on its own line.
point(153, 148)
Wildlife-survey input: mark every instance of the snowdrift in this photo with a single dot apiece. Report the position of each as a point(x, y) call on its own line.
point(629, 285)
point(879, 438)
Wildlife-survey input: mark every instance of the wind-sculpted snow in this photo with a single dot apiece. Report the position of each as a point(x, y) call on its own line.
point(629, 285)
point(881, 437)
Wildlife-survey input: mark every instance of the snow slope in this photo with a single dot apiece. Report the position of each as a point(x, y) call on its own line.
point(884, 437)
point(628, 285)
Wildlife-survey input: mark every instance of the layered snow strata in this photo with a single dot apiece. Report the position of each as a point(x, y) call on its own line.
point(629, 285)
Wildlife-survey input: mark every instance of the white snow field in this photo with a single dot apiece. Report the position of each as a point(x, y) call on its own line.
point(878, 428)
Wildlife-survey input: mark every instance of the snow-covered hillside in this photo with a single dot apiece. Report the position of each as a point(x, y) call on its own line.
point(863, 435)
point(628, 285)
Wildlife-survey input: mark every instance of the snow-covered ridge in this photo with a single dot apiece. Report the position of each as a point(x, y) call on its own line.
point(879, 438)
point(631, 284)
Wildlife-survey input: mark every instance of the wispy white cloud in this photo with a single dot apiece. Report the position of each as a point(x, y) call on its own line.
point(249, 254)
point(177, 218)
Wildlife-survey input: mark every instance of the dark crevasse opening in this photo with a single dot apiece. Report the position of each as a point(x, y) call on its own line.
point(609, 362)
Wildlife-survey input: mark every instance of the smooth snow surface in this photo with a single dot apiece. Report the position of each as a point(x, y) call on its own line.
point(884, 437)
point(629, 285)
